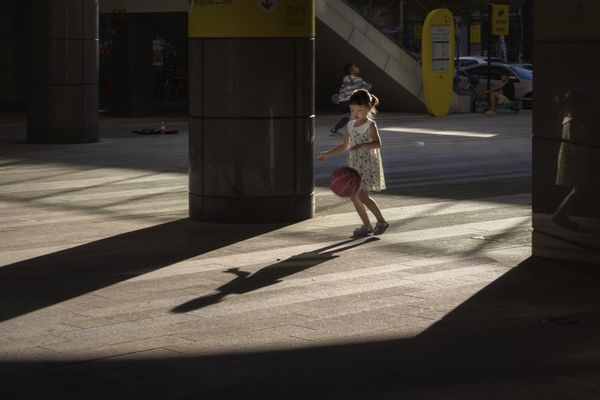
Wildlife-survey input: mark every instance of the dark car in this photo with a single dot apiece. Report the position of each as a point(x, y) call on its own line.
point(468, 61)
point(522, 65)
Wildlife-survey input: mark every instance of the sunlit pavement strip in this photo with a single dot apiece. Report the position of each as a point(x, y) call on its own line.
point(440, 132)
point(415, 272)
point(265, 256)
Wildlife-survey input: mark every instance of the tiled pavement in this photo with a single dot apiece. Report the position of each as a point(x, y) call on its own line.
point(108, 291)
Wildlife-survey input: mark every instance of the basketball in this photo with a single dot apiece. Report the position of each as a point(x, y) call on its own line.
point(344, 181)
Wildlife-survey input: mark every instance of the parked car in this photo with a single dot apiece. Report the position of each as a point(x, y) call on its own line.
point(522, 65)
point(467, 61)
point(476, 77)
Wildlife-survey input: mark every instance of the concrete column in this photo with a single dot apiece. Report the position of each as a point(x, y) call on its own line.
point(62, 71)
point(566, 143)
point(251, 129)
point(132, 68)
point(11, 43)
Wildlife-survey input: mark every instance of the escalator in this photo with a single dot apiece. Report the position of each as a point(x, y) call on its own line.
point(345, 36)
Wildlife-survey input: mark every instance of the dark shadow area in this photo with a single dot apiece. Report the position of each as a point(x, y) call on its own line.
point(245, 282)
point(155, 47)
point(43, 281)
point(531, 334)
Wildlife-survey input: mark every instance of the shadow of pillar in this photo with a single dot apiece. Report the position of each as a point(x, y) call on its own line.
point(46, 280)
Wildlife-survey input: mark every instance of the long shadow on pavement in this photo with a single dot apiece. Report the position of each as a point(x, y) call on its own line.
point(39, 282)
point(245, 282)
point(531, 334)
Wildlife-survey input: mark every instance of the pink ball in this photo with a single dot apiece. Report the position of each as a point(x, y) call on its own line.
point(344, 181)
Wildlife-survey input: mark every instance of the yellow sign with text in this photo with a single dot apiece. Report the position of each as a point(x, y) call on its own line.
point(437, 47)
point(500, 20)
point(251, 18)
point(475, 33)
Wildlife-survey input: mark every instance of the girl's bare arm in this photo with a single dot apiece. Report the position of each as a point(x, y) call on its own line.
point(339, 149)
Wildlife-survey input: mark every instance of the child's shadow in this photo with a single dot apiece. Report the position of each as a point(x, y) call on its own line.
point(245, 282)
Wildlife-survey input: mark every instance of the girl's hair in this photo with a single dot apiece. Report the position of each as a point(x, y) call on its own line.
point(348, 68)
point(362, 97)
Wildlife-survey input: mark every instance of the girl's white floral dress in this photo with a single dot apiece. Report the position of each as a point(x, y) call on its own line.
point(366, 161)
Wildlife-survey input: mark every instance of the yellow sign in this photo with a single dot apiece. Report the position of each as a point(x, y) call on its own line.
point(475, 33)
point(500, 19)
point(438, 60)
point(252, 18)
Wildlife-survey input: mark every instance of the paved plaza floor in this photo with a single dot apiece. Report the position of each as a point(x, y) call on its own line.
point(108, 290)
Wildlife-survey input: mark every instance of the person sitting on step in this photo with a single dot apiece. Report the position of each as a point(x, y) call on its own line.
point(504, 93)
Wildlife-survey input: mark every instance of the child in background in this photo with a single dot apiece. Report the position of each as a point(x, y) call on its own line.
point(351, 82)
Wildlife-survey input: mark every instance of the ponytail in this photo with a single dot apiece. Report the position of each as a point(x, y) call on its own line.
point(374, 101)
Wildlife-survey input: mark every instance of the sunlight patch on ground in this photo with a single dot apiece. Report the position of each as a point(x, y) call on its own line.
point(439, 132)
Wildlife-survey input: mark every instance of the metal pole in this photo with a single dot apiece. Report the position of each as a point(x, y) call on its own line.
point(489, 48)
point(456, 50)
point(402, 22)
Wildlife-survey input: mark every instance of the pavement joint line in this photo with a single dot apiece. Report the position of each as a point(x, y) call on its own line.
point(452, 207)
point(87, 183)
point(445, 177)
point(578, 382)
point(111, 213)
point(442, 167)
point(124, 195)
point(445, 182)
point(304, 339)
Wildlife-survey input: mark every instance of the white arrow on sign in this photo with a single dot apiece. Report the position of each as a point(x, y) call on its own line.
point(267, 6)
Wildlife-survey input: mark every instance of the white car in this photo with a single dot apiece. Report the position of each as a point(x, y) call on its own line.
point(467, 61)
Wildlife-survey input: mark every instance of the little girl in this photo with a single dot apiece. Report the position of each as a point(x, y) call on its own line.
point(362, 140)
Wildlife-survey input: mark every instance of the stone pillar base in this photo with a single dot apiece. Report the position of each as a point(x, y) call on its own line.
point(252, 210)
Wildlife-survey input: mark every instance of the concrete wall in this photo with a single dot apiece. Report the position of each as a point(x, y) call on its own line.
point(61, 47)
point(12, 89)
point(566, 143)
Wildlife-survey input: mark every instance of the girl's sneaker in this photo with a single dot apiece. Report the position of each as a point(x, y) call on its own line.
point(362, 231)
point(380, 227)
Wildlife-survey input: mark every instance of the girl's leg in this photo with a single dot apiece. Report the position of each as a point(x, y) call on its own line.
point(564, 209)
point(360, 209)
point(341, 123)
point(561, 215)
point(364, 198)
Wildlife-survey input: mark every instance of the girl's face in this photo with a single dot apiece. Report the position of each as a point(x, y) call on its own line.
point(354, 70)
point(359, 112)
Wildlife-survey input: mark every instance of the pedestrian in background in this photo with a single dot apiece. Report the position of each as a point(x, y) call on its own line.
point(351, 82)
point(504, 93)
